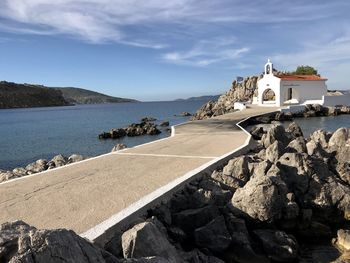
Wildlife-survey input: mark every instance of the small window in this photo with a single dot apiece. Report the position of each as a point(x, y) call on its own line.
point(268, 85)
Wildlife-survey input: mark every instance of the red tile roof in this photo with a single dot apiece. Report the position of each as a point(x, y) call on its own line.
point(300, 77)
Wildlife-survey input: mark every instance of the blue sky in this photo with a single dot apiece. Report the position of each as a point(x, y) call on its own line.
point(160, 50)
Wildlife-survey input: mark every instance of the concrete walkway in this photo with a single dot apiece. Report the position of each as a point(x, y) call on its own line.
point(80, 196)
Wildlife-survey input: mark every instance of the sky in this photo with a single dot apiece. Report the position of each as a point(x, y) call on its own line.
point(162, 50)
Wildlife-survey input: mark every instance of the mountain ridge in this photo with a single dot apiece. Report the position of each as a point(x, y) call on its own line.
point(24, 95)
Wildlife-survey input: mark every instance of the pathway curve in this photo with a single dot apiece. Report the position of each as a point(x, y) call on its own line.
point(81, 195)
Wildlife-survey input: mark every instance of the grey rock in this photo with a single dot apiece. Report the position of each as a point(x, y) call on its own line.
point(148, 119)
point(297, 145)
point(164, 124)
point(213, 235)
point(237, 168)
point(75, 158)
point(343, 240)
point(339, 138)
point(37, 166)
point(278, 245)
point(262, 198)
point(145, 260)
point(19, 172)
point(294, 130)
point(147, 240)
point(274, 151)
point(57, 161)
point(296, 170)
point(276, 133)
point(196, 256)
point(20, 242)
point(117, 133)
point(190, 219)
point(321, 137)
point(7, 175)
point(118, 147)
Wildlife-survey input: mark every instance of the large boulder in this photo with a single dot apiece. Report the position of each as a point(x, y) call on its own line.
point(340, 138)
point(213, 235)
point(262, 198)
point(276, 133)
point(37, 166)
point(57, 161)
point(147, 240)
point(343, 240)
point(274, 151)
point(6, 175)
point(20, 242)
point(294, 130)
point(279, 246)
point(295, 170)
point(321, 137)
point(117, 133)
point(75, 158)
point(190, 219)
point(237, 168)
point(297, 145)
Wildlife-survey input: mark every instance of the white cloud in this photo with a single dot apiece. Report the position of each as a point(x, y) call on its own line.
point(207, 52)
point(108, 20)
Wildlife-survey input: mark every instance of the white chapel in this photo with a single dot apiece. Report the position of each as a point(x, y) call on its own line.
point(290, 89)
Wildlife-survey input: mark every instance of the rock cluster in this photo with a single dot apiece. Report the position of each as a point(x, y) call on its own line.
point(40, 166)
point(239, 91)
point(314, 110)
point(146, 126)
point(260, 207)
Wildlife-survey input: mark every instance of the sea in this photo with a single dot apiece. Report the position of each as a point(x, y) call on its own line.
point(30, 134)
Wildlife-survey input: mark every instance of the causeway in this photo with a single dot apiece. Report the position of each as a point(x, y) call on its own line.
point(80, 196)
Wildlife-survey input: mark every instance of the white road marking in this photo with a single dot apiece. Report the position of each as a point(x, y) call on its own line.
point(166, 155)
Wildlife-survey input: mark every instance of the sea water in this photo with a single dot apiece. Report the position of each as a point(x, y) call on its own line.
point(34, 133)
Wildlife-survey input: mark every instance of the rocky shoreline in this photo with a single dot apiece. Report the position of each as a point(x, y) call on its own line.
point(40, 166)
point(266, 206)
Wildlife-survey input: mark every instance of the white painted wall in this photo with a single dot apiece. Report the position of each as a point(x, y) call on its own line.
point(303, 90)
point(330, 101)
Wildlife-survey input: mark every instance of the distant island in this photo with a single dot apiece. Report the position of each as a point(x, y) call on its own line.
point(14, 95)
point(200, 98)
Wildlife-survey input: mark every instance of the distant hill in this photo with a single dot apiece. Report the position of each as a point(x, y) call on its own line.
point(83, 96)
point(200, 98)
point(14, 95)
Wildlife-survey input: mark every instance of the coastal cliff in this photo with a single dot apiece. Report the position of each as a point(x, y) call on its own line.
point(239, 91)
point(14, 95)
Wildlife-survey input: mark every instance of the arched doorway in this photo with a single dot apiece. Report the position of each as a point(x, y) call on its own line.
point(269, 97)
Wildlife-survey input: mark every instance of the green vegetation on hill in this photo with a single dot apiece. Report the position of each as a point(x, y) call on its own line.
point(13, 95)
point(83, 96)
point(305, 70)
